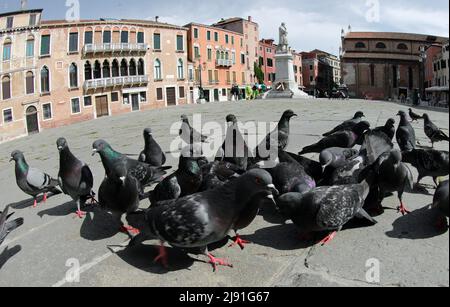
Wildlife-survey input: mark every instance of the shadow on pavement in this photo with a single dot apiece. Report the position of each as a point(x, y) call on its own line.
point(98, 225)
point(61, 210)
point(29, 202)
point(420, 224)
point(8, 254)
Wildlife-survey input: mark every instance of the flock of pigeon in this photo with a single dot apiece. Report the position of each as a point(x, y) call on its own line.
point(202, 202)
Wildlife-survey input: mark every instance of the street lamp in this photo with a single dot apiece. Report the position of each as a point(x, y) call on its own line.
point(201, 94)
point(422, 60)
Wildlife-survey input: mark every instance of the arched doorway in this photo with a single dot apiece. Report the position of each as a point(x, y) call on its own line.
point(32, 120)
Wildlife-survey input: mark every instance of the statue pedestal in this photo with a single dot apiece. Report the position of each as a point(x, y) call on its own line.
point(285, 85)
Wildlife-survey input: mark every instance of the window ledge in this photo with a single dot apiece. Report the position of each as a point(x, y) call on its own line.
point(71, 89)
point(158, 80)
point(157, 50)
point(180, 51)
point(45, 94)
point(43, 56)
point(73, 52)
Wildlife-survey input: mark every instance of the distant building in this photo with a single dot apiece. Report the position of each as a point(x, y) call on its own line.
point(438, 91)
point(321, 71)
point(298, 69)
point(383, 65)
point(267, 50)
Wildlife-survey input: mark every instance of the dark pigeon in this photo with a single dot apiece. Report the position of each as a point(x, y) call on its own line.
point(204, 218)
point(406, 136)
point(428, 162)
point(347, 125)
point(336, 157)
point(414, 117)
point(234, 149)
point(216, 174)
point(152, 153)
point(440, 201)
point(75, 177)
point(433, 132)
point(277, 139)
point(344, 139)
point(388, 128)
point(312, 168)
point(326, 208)
point(33, 181)
point(291, 177)
point(188, 134)
point(6, 227)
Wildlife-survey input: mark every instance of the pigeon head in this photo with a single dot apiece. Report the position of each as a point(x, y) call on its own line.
point(147, 132)
point(190, 166)
point(99, 146)
point(16, 155)
point(289, 114)
point(396, 156)
point(426, 117)
point(231, 119)
point(362, 127)
point(255, 182)
point(401, 114)
point(326, 158)
point(184, 118)
point(359, 114)
point(390, 122)
point(61, 144)
point(287, 203)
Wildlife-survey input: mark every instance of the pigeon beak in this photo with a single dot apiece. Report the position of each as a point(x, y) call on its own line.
point(11, 159)
point(60, 148)
point(324, 167)
point(123, 180)
point(273, 189)
point(94, 151)
point(272, 198)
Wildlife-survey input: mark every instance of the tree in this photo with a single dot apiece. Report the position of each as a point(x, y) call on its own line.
point(259, 74)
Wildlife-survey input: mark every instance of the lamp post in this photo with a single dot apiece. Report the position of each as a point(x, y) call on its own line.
point(201, 94)
point(422, 60)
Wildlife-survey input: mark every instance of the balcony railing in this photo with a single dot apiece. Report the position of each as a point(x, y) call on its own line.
point(116, 81)
point(114, 47)
point(225, 63)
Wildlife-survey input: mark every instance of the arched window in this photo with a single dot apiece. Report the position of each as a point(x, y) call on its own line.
point(180, 69)
point(7, 47)
point(133, 69)
point(222, 55)
point(97, 70)
point(29, 80)
point(73, 76)
point(6, 87)
point(106, 69)
point(381, 45)
point(402, 46)
point(158, 70)
point(115, 68)
point(227, 56)
point(45, 80)
point(141, 67)
point(87, 71)
point(360, 45)
point(123, 68)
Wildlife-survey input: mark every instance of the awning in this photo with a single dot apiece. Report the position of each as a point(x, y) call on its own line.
point(437, 89)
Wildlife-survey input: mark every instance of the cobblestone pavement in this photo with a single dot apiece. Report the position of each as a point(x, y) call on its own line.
point(409, 249)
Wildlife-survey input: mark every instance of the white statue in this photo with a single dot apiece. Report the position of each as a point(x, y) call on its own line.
point(284, 43)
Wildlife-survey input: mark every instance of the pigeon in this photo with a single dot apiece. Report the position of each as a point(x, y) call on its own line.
point(188, 134)
point(344, 139)
point(326, 208)
point(234, 149)
point(152, 153)
point(312, 168)
point(75, 177)
point(277, 139)
point(391, 175)
point(185, 181)
point(440, 201)
point(7, 226)
point(197, 220)
point(33, 181)
point(347, 125)
point(216, 174)
point(388, 128)
point(414, 117)
point(291, 177)
point(406, 136)
point(433, 132)
point(111, 159)
point(428, 162)
point(336, 157)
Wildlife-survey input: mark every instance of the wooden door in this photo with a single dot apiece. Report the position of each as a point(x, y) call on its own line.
point(171, 96)
point(101, 106)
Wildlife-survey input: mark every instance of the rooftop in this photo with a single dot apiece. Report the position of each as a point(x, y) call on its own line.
point(395, 35)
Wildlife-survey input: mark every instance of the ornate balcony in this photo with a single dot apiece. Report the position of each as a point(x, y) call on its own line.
point(114, 48)
point(224, 63)
point(115, 82)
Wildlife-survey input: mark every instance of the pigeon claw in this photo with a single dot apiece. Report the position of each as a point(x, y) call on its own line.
point(328, 238)
point(402, 209)
point(80, 214)
point(218, 262)
point(162, 257)
point(240, 242)
point(45, 198)
point(35, 203)
point(129, 230)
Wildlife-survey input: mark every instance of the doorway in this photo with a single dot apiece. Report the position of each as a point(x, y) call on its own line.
point(206, 94)
point(135, 102)
point(216, 95)
point(171, 95)
point(101, 106)
point(32, 120)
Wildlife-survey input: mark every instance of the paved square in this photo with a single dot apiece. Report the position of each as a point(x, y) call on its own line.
point(40, 253)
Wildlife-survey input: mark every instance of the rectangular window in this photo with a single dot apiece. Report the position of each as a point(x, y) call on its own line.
point(7, 52)
point(143, 96)
point(234, 77)
point(228, 77)
point(75, 105)
point(33, 18)
point(6, 88)
point(140, 38)
point(209, 54)
point(7, 116)
point(227, 39)
point(107, 37)
point(9, 22)
point(73, 42)
point(30, 48)
point(311, 67)
point(224, 92)
point(29, 83)
point(232, 40)
point(216, 36)
point(210, 76)
point(216, 75)
point(45, 45)
point(208, 35)
point(242, 58)
point(88, 37)
point(195, 33)
point(181, 91)
point(180, 43)
point(157, 41)
point(126, 99)
point(87, 101)
point(243, 78)
point(159, 93)
point(269, 62)
point(47, 111)
point(124, 37)
point(196, 52)
point(242, 42)
point(114, 97)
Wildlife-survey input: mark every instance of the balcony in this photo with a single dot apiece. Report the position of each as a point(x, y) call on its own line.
point(115, 82)
point(224, 63)
point(114, 48)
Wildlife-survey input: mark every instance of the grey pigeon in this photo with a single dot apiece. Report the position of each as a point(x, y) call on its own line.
point(312, 168)
point(347, 125)
point(33, 181)
point(152, 153)
point(75, 177)
point(234, 149)
point(406, 136)
point(428, 162)
point(433, 132)
point(277, 139)
point(336, 157)
point(7, 226)
point(388, 128)
point(216, 174)
point(326, 208)
point(414, 117)
point(291, 177)
point(188, 134)
point(440, 201)
point(344, 139)
point(204, 218)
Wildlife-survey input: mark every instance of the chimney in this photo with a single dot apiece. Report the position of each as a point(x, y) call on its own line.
point(156, 18)
point(250, 18)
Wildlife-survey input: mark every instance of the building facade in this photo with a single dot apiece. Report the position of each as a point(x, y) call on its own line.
point(438, 91)
point(57, 73)
point(267, 50)
point(381, 65)
point(298, 68)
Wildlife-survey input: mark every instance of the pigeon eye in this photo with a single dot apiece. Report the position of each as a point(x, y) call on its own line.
point(258, 181)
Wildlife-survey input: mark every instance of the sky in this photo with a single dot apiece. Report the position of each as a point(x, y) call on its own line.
point(311, 24)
